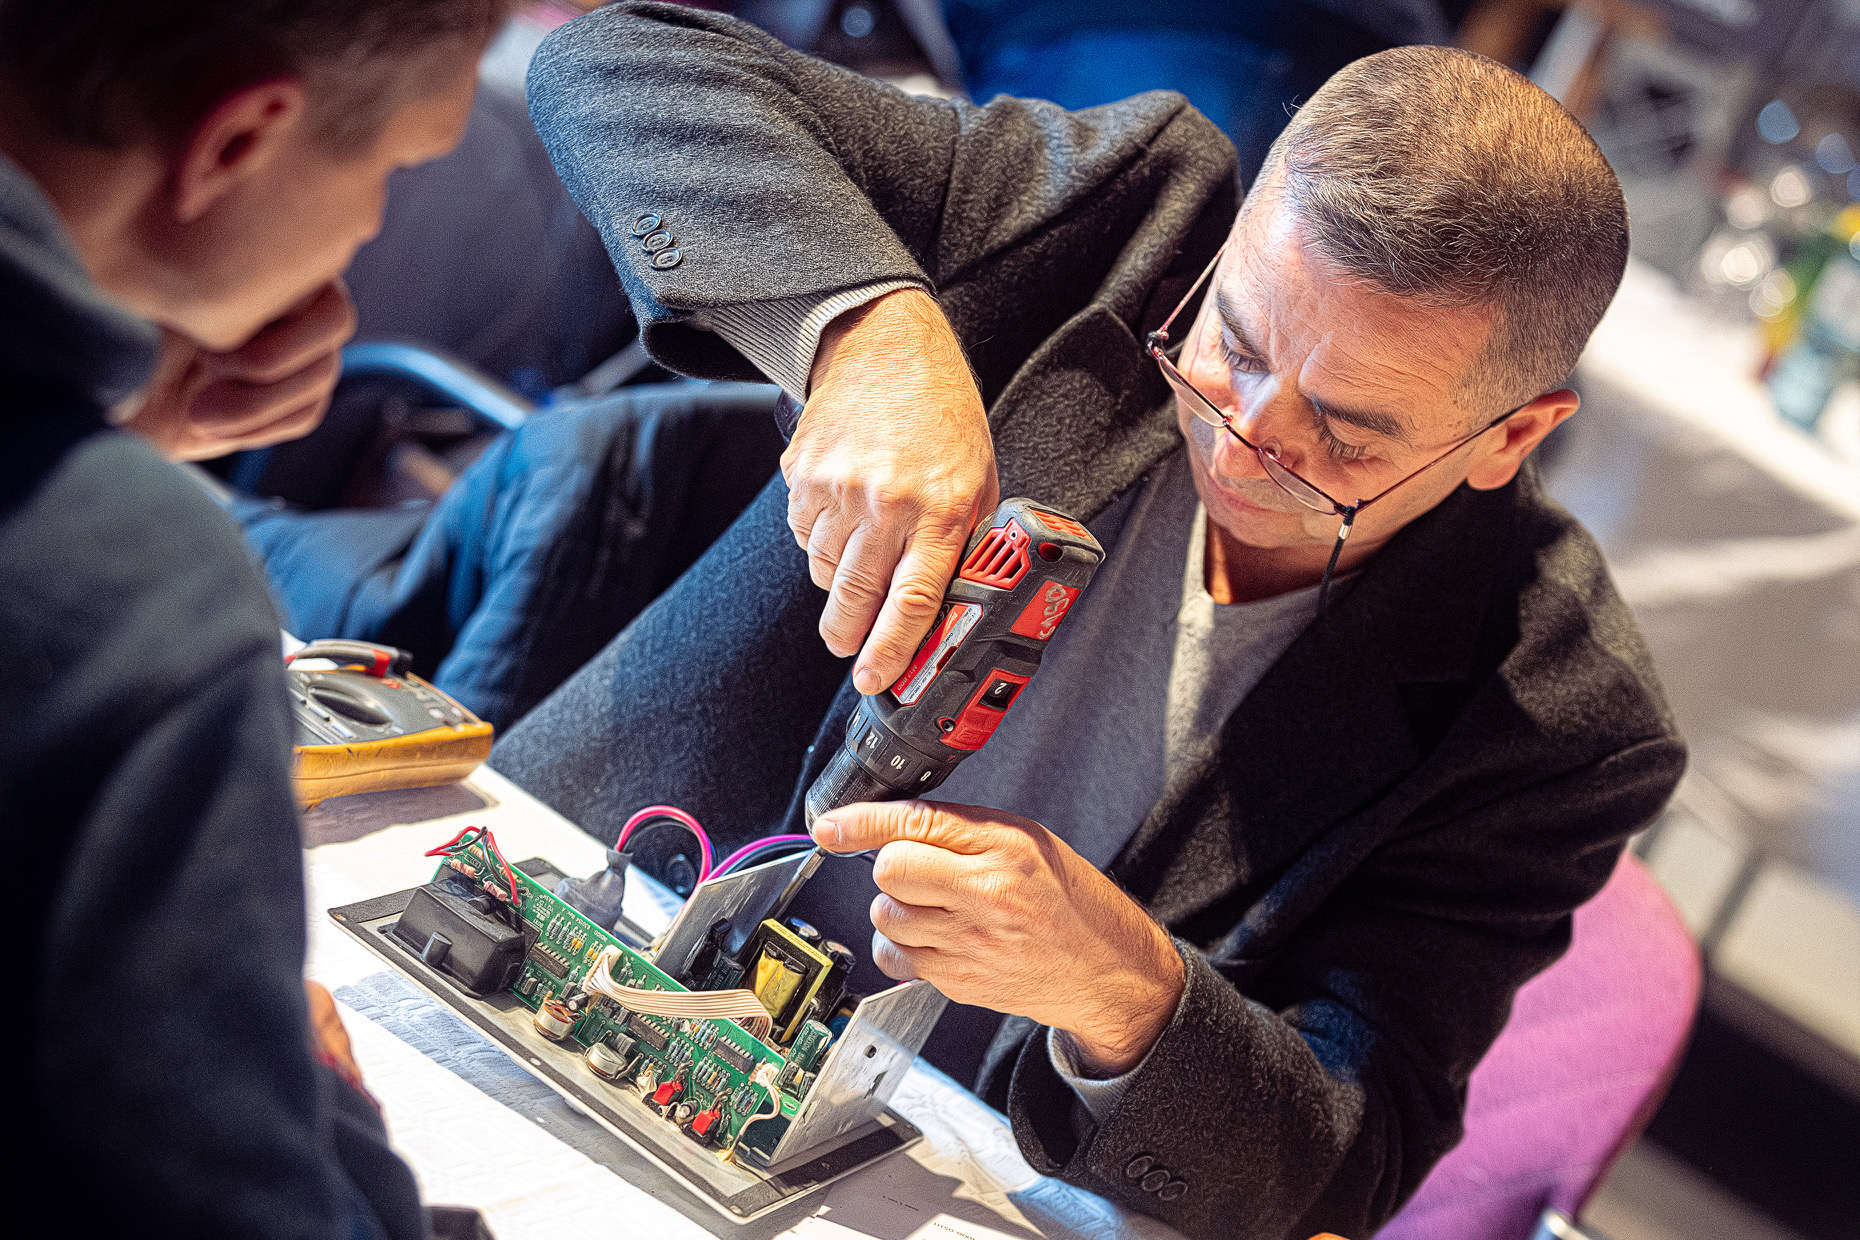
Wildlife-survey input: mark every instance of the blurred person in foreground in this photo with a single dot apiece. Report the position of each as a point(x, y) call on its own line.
point(182, 182)
point(1351, 718)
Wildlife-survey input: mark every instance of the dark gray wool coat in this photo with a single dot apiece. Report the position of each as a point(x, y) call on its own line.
point(1391, 832)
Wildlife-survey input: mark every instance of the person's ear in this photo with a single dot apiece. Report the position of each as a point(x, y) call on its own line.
point(244, 132)
point(1502, 450)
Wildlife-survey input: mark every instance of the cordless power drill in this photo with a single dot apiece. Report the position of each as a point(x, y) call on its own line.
point(1020, 574)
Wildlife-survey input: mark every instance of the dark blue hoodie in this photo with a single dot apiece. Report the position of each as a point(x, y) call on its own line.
point(155, 880)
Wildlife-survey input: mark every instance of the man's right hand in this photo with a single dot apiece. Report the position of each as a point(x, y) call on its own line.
point(275, 387)
point(888, 471)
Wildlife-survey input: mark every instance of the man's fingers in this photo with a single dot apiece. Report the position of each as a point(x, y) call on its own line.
point(857, 592)
point(329, 1035)
point(802, 514)
point(910, 926)
point(909, 609)
point(317, 326)
point(870, 825)
point(893, 961)
point(294, 424)
point(920, 874)
point(235, 408)
point(826, 543)
point(191, 443)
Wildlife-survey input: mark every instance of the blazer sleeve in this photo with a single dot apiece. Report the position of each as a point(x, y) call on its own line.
point(1314, 1092)
point(775, 176)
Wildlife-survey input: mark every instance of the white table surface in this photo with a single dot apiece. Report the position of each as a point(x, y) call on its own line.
point(517, 1160)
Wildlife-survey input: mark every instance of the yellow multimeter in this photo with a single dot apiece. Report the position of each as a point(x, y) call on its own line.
point(369, 725)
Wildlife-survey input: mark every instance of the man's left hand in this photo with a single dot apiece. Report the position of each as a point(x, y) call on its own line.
point(274, 387)
point(995, 910)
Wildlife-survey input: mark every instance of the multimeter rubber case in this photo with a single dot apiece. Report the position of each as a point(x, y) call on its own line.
point(370, 725)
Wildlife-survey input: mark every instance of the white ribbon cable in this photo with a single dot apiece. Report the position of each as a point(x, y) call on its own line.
point(678, 1004)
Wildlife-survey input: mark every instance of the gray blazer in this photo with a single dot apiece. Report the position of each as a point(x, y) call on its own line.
point(1390, 833)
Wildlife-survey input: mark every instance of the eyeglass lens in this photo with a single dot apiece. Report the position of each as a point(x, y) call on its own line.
point(1287, 481)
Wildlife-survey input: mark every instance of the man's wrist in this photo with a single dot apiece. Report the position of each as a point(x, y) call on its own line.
point(781, 338)
point(1112, 1042)
point(903, 320)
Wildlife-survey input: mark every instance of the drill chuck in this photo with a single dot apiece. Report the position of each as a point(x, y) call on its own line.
point(877, 764)
point(844, 782)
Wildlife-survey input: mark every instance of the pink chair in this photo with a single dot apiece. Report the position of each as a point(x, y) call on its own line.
point(1583, 1063)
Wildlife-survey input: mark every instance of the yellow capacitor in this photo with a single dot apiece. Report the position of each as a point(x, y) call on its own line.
point(776, 980)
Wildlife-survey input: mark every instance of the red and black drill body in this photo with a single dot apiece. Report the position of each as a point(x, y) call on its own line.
point(1020, 574)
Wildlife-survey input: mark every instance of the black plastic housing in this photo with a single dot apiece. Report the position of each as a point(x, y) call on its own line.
point(477, 949)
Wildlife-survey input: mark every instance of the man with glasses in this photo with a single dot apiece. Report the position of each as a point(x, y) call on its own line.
point(1350, 719)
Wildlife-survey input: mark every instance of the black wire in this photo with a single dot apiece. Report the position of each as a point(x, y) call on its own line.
point(1343, 532)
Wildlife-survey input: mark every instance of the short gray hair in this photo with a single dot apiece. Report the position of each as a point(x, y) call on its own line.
point(1439, 175)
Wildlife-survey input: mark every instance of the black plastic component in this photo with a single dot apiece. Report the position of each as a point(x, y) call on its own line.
point(680, 875)
point(343, 708)
point(1000, 693)
point(646, 1032)
point(371, 655)
point(598, 896)
point(845, 781)
point(457, 1223)
point(762, 1138)
point(726, 974)
point(484, 955)
point(734, 1055)
point(548, 963)
point(437, 948)
point(350, 704)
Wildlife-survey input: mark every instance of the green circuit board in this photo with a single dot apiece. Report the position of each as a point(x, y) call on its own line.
point(717, 1058)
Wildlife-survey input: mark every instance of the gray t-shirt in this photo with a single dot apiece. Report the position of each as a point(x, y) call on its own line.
point(1146, 668)
point(1144, 671)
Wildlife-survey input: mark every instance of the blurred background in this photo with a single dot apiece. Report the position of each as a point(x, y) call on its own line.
point(1717, 457)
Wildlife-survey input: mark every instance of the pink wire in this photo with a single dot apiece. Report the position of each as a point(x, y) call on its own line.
point(676, 815)
point(765, 841)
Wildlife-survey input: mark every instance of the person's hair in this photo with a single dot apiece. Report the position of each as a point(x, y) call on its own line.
point(1436, 174)
point(106, 73)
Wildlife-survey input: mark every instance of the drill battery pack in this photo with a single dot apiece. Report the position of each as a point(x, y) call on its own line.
point(369, 725)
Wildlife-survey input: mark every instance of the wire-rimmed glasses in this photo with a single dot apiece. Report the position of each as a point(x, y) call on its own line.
point(1306, 492)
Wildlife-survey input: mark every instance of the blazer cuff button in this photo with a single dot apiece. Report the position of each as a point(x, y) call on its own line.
point(646, 223)
point(653, 242)
point(665, 260)
point(1154, 1180)
point(1171, 1191)
point(1138, 1167)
